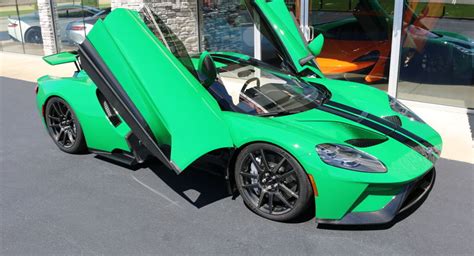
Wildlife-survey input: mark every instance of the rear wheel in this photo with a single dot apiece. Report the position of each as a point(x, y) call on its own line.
point(33, 35)
point(63, 126)
point(272, 183)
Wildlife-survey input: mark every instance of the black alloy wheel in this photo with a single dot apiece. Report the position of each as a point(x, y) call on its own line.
point(63, 126)
point(272, 183)
point(33, 35)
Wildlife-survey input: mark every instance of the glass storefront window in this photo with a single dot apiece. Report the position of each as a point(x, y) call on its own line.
point(226, 26)
point(30, 26)
point(437, 53)
point(357, 38)
point(19, 27)
point(76, 19)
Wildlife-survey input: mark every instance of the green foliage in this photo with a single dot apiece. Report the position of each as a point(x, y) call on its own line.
point(94, 3)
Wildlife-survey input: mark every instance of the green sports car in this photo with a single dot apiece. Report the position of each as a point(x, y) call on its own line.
point(288, 136)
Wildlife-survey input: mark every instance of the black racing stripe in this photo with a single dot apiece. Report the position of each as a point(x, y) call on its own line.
point(387, 131)
point(386, 123)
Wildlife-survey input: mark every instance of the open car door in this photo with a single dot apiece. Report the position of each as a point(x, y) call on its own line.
point(161, 101)
point(279, 26)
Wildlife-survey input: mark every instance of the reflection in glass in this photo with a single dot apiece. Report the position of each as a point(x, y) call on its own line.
point(30, 26)
point(76, 19)
point(11, 34)
point(227, 26)
point(437, 64)
point(357, 39)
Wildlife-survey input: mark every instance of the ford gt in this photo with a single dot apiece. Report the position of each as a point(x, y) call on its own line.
point(289, 137)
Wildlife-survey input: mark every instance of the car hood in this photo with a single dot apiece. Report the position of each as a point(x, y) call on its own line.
point(372, 103)
point(405, 165)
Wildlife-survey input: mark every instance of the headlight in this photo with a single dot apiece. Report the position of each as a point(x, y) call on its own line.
point(349, 158)
point(398, 107)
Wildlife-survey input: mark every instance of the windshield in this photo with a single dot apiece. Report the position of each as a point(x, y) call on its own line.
point(250, 86)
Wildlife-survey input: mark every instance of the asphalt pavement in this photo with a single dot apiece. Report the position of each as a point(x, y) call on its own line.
point(55, 203)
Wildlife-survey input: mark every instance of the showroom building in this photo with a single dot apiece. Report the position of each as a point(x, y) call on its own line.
point(418, 50)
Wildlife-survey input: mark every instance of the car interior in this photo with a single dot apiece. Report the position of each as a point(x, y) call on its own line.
point(247, 88)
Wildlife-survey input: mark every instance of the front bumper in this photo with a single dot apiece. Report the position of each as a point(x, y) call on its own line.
point(409, 196)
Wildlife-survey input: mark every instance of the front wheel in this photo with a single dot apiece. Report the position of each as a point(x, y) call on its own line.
point(271, 182)
point(63, 126)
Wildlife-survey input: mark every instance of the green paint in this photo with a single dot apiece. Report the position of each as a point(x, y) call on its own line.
point(60, 58)
point(183, 114)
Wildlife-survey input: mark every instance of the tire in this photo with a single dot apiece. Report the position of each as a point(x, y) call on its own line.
point(33, 35)
point(63, 126)
point(259, 184)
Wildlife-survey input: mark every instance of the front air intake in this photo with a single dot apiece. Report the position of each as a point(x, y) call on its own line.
point(393, 119)
point(110, 111)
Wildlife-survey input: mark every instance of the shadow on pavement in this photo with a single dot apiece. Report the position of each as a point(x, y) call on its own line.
point(197, 186)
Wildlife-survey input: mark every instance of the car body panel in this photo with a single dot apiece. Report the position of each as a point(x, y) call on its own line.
point(60, 58)
point(81, 94)
point(280, 20)
point(277, 23)
point(169, 97)
point(372, 100)
point(338, 189)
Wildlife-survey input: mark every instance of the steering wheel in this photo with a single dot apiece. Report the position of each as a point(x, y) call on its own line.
point(248, 82)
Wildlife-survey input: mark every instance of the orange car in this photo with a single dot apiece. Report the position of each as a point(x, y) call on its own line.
point(361, 44)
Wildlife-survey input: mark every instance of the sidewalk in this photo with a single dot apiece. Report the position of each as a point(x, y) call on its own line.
point(451, 123)
point(30, 67)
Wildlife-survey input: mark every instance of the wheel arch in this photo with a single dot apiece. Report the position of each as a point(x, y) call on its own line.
point(237, 150)
point(81, 95)
point(28, 30)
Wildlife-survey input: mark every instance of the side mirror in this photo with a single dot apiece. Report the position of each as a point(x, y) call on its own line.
point(207, 69)
point(316, 45)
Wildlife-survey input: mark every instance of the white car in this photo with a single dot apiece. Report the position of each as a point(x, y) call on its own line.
point(26, 28)
point(76, 31)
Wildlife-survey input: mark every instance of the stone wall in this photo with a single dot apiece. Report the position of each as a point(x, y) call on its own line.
point(50, 33)
point(222, 28)
point(181, 16)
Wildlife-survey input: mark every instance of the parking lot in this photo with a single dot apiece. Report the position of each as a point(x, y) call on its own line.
point(55, 203)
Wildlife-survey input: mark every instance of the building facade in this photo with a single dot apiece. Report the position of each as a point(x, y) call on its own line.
point(418, 50)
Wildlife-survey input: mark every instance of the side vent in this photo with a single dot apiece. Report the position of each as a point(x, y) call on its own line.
point(393, 119)
point(110, 112)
